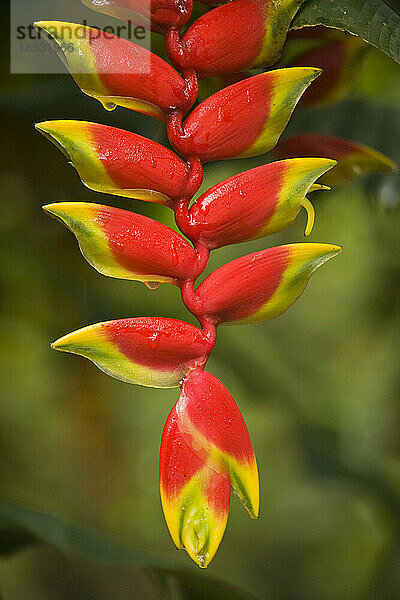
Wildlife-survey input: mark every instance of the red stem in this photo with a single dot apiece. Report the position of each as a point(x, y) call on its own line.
point(176, 132)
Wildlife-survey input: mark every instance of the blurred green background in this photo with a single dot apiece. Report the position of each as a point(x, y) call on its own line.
point(318, 387)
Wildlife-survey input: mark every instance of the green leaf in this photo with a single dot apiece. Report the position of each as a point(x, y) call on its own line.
point(372, 20)
point(21, 527)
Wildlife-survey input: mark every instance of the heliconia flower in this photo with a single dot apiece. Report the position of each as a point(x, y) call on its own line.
point(246, 118)
point(239, 35)
point(119, 162)
point(149, 351)
point(256, 203)
point(115, 71)
point(212, 425)
point(341, 61)
point(164, 13)
point(261, 285)
point(122, 244)
point(195, 498)
point(353, 159)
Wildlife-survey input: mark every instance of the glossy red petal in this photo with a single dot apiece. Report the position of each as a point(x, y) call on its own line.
point(195, 498)
point(123, 244)
point(261, 285)
point(119, 162)
point(150, 351)
point(246, 118)
point(212, 425)
point(254, 203)
point(227, 39)
point(116, 71)
point(239, 35)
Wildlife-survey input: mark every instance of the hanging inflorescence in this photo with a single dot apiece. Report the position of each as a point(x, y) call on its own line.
point(205, 449)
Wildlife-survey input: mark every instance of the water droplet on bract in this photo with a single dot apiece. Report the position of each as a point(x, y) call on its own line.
point(108, 105)
point(152, 285)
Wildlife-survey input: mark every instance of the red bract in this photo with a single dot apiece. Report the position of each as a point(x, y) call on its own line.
point(119, 162)
point(239, 209)
point(205, 449)
point(244, 119)
point(117, 72)
point(149, 351)
point(261, 285)
point(195, 498)
point(119, 243)
point(211, 53)
point(254, 34)
point(212, 425)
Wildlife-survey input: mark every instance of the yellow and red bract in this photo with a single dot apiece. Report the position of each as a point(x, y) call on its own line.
point(212, 425)
point(123, 244)
point(353, 159)
point(205, 449)
point(254, 35)
point(159, 14)
point(119, 162)
point(246, 118)
point(149, 351)
point(261, 285)
point(255, 203)
point(195, 498)
point(117, 72)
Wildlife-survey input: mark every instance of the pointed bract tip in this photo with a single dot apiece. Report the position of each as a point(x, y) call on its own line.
point(50, 28)
point(310, 73)
point(329, 250)
point(42, 126)
point(314, 254)
point(51, 209)
point(59, 344)
point(63, 211)
point(57, 126)
point(70, 341)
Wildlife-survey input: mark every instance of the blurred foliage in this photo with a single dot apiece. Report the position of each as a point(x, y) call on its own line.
point(21, 527)
point(375, 21)
point(319, 387)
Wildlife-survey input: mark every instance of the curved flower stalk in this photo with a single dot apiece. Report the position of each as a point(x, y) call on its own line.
point(205, 449)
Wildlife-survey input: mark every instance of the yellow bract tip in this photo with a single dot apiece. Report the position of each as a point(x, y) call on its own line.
point(80, 339)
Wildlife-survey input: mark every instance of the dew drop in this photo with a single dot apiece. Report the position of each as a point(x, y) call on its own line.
point(152, 285)
point(108, 105)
